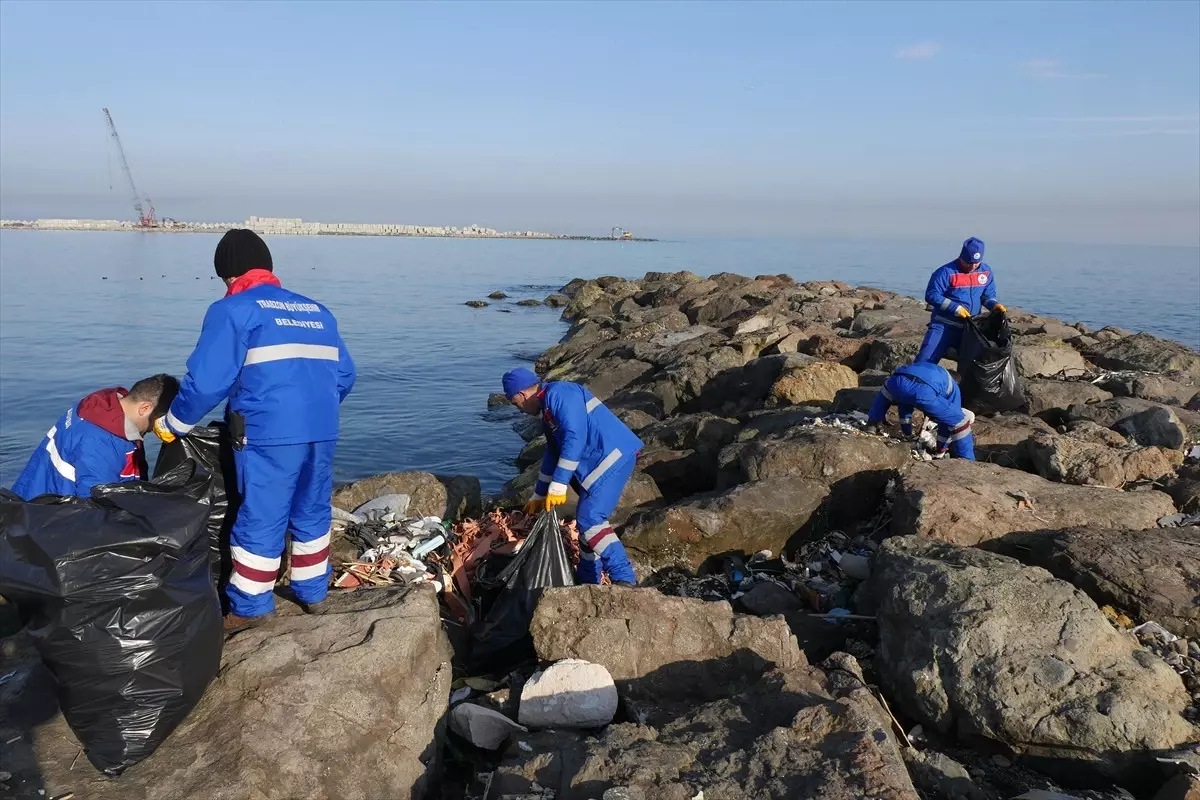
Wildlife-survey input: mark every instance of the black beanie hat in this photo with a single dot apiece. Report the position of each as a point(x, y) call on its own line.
point(239, 251)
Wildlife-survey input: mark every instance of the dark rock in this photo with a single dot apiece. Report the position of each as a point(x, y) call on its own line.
point(1146, 422)
point(497, 400)
point(1048, 362)
point(557, 300)
point(529, 302)
point(859, 398)
point(1145, 353)
point(966, 502)
point(370, 659)
point(679, 473)
point(1004, 439)
point(887, 354)
point(657, 647)
point(748, 518)
point(1157, 388)
point(1049, 399)
point(1184, 488)
point(572, 288)
point(497, 295)
point(712, 310)
point(873, 377)
point(1152, 575)
point(450, 497)
point(767, 598)
point(531, 453)
point(974, 644)
point(477, 303)
point(939, 776)
point(703, 432)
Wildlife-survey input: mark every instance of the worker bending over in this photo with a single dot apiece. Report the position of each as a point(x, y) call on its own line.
point(279, 360)
point(930, 388)
point(98, 441)
point(957, 291)
point(588, 447)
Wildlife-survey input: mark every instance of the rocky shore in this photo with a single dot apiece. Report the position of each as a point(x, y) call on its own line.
point(993, 640)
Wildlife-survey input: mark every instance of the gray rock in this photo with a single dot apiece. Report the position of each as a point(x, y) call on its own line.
point(1144, 353)
point(497, 295)
point(1004, 439)
point(767, 598)
point(1075, 459)
point(530, 302)
point(658, 647)
point(1047, 362)
point(481, 726)
point(1157, 388)
point(1154, 427)
point(1152, 574)
point(859, 398)
point(304, 707)
point(1050, 398)
point(941, 777)
point(976, 644)
point(477, 303)
point(965, 502)
point(557, 300)
point(445, 496)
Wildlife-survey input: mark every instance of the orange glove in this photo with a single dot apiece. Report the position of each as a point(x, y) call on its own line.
point(534, 505)
point(163, 431)
point(553, 500)
point(962, 312)
point(999, 307)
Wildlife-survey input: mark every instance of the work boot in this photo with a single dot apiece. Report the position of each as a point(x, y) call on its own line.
point(232, 623)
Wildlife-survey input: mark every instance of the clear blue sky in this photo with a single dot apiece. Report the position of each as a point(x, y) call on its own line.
point(1062, 121)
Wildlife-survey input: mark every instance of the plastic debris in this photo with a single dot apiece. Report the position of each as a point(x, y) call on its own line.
point(1153, 629)
point(458, 695)
point(1179, 520)
point(569, 694)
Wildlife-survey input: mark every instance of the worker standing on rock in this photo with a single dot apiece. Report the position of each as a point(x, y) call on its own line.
point(279, 360)
point(930, 388)
point(957, 291)
point(589, 448)
point(98, 441)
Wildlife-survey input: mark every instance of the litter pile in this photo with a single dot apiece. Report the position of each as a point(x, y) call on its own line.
point(394, 548)
point(924, 443)
point(1181, 654)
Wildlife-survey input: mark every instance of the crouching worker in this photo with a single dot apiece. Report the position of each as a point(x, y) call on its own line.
point(279, 360)
point(930, 388)
point(98, 441)
point(588, 447)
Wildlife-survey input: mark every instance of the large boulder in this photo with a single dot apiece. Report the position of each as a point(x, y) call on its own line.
point(304, 707)
point(1148, 423)
point(820, 454)
point(1142, 352)
point(1158, 388)
point(1051, 398)
point(887, 354)
point(742, 388)
point(1047, 362)
point(1074, 459)
point(1152, 575)
point(828, 345)
point(449, 497)
point(811, 384)
point(755, 516)
point(658, 647)
point(975, 644)
point(713, 309)
point(1004, 439)
point(967, 502)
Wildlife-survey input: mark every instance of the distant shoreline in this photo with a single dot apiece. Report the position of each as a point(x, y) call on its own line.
point(275, 226)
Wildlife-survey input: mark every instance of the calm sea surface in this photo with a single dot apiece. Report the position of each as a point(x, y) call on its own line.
point(426, 363)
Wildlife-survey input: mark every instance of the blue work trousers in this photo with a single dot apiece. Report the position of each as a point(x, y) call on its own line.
point(601, 550)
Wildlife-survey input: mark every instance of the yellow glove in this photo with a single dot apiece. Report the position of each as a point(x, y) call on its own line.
point(162, 431)
point(553, 500)
point(999, 307)
point(534, 505)
point(962, 312)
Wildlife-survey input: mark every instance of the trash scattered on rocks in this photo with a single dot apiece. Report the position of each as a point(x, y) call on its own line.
point(1179, 520)
point(483, 727)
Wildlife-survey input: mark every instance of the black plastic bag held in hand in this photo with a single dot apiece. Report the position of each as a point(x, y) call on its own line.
point(502, 639)
point(987, 371)
point(124, 610)
point(210, 449)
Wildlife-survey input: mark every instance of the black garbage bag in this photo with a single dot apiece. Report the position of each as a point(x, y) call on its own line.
point(123, 608)
point(210, 449)
point(987, 371)
point(501, 640)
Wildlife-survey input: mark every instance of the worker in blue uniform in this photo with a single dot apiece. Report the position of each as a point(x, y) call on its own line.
point(957, 291)
point(589, 448)
point(930, 388)
point(98, 440)
point(278, 359)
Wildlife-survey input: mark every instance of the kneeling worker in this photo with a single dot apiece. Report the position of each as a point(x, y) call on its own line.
point(586, 445)
point(98, 441)
point(930, 388)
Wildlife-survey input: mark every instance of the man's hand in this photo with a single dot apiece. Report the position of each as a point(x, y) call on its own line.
point(163, 431)
point(553, 500)
point(535, 504)
point(962, 313)
point(999, 307)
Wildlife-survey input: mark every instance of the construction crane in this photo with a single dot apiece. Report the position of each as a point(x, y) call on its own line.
point(146, 219)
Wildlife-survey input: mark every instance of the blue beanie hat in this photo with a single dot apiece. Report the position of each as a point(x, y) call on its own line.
point(518, 380)
point(972, 251)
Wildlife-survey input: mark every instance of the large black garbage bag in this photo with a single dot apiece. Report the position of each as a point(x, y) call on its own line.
point(210, 449)
point(502, 639)
point(986, 369)
point(122, 605)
